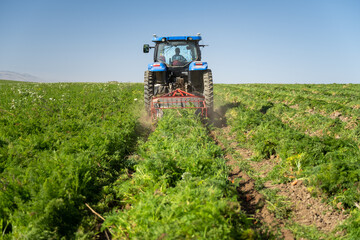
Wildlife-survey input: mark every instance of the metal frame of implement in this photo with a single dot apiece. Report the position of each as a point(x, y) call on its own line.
point(177, 99)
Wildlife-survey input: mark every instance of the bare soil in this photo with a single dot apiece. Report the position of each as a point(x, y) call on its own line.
point(308, 210)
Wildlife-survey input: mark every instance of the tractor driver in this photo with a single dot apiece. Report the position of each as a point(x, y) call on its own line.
point(178, 57)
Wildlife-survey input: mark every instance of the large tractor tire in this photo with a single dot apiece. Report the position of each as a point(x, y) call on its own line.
point(148, 90)
point(208, 91)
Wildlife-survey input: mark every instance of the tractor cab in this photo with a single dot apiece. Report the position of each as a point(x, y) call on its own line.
point(177, 53)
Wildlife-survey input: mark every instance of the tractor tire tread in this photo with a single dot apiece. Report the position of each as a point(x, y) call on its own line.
point(148, 90)
point(209, 90)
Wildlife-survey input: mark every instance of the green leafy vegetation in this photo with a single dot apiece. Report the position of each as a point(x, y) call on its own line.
point(310, 232)
point(66, 144)
point(60, 144)
point(277, 204)
point(312, 129)
point(352, 226)
point(180, 189)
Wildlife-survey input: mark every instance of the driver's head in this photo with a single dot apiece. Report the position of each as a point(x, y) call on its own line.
point(177, 50)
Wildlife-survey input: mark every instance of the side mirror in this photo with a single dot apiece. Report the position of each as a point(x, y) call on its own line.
point(146, 48)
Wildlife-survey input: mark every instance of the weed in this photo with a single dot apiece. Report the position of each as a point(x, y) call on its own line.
point(279, 205)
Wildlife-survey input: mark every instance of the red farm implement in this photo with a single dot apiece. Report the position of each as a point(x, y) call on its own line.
point(175, 100)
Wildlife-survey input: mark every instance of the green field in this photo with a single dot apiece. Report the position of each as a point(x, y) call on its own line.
point(60, 145)
point(65, 147)
point(313, 132)
point(314, 129)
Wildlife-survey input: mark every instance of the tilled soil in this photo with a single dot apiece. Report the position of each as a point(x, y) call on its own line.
point(305, 209)
point(308, 210)
point(252, 202)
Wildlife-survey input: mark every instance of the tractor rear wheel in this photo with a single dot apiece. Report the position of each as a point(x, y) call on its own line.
point(208, 91)
point(148, 90)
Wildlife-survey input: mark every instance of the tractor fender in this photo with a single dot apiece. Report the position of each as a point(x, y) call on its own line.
point(198, 65)
point(156, 67)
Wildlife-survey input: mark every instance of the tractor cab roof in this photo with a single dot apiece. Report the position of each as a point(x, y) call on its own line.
point(176, 38)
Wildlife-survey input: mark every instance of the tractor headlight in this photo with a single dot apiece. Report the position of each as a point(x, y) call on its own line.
point(163, 39)
point(190, 38)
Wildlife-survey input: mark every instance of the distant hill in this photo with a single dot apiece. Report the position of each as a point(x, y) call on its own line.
point(7, 75)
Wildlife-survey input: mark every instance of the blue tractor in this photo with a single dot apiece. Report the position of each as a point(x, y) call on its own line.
point(177, 78)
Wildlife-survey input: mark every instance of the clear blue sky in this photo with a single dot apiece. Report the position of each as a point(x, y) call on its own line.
point(307, 41)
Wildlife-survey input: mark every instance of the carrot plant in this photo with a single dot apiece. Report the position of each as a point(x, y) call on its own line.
point(180, 188)
point(60, 144)
point(328, 163)
point(312, 129)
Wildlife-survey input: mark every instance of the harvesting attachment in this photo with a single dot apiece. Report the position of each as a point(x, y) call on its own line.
point(177, 78)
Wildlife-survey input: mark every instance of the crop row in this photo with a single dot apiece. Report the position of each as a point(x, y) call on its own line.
point(301, 113)
point(289, 96)
point(343, 94)
point(329, 162)
point(60, 144)
point(180, 188)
